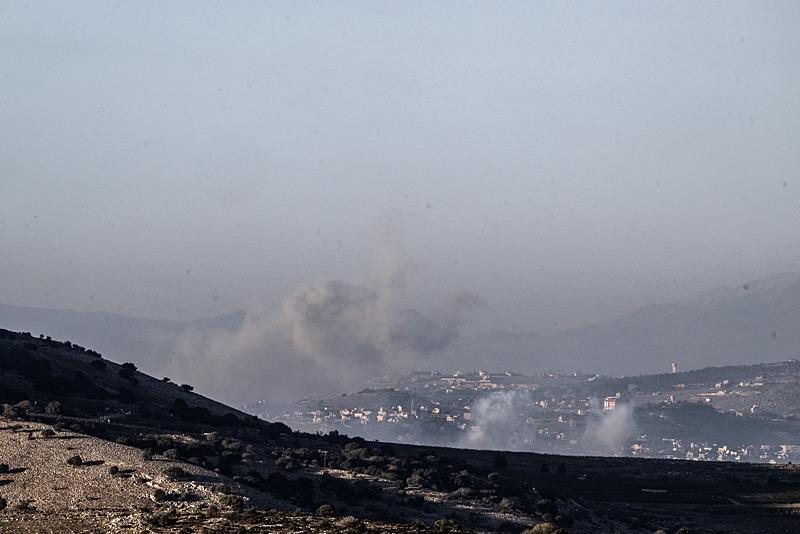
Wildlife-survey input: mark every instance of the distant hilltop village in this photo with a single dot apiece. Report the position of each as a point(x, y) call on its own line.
point(739, 413)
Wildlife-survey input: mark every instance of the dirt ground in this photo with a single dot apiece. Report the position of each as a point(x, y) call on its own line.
point(39, 475)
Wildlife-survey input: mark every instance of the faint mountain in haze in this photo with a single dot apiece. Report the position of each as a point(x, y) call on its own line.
point(146, 342)
point(756, 322)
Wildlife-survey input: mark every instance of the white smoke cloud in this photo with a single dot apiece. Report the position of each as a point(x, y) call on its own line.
point(326, 337)
point(610, 431)
point(500, 422)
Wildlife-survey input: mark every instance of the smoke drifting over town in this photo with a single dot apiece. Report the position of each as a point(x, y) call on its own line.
point(608, 432)
point(326, 337)
point(500, 422)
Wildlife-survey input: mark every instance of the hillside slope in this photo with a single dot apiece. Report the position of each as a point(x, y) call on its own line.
point(146, 342)
point(197, 452)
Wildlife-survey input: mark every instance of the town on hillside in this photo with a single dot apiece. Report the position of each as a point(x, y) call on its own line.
point(736, 413)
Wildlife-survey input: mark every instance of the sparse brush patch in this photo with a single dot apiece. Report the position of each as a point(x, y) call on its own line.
point(447, 525)
point(545, 528)
point(75, 461)
point(174, 472)
point(234, 502)
point(326, 510)
point(223, 489)
point(3, 504)
point(350, 525)
point(4, 468)
point(183, 496)
point(48, 433)
point(24, 506)
point(53, 408)
point(165, 518)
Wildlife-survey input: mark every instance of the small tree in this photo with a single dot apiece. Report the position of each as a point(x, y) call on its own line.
point(127, 370)
point(187, 387)
point(53, 408)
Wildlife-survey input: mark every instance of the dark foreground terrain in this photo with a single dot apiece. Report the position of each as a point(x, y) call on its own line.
point(91, 445)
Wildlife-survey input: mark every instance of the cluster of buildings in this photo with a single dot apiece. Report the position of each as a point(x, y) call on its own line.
point(557, 412)
point(677, 449)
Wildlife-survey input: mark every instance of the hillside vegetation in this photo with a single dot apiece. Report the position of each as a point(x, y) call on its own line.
point(88, 444)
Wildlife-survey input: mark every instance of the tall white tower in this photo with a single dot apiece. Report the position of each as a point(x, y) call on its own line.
point(674, 367)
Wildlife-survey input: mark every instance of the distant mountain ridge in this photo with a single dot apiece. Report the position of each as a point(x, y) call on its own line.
point(756, 322)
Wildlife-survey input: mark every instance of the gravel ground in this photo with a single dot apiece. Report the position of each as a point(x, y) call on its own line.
point(40, 476)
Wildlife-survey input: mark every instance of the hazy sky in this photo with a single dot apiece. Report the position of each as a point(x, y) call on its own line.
point(566, 161)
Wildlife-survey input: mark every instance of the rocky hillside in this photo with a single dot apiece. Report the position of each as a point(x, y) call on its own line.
point(91, 445)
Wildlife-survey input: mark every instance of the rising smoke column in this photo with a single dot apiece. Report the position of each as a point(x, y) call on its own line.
point(609, 432)
point(500, 422)
point(326, 337)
